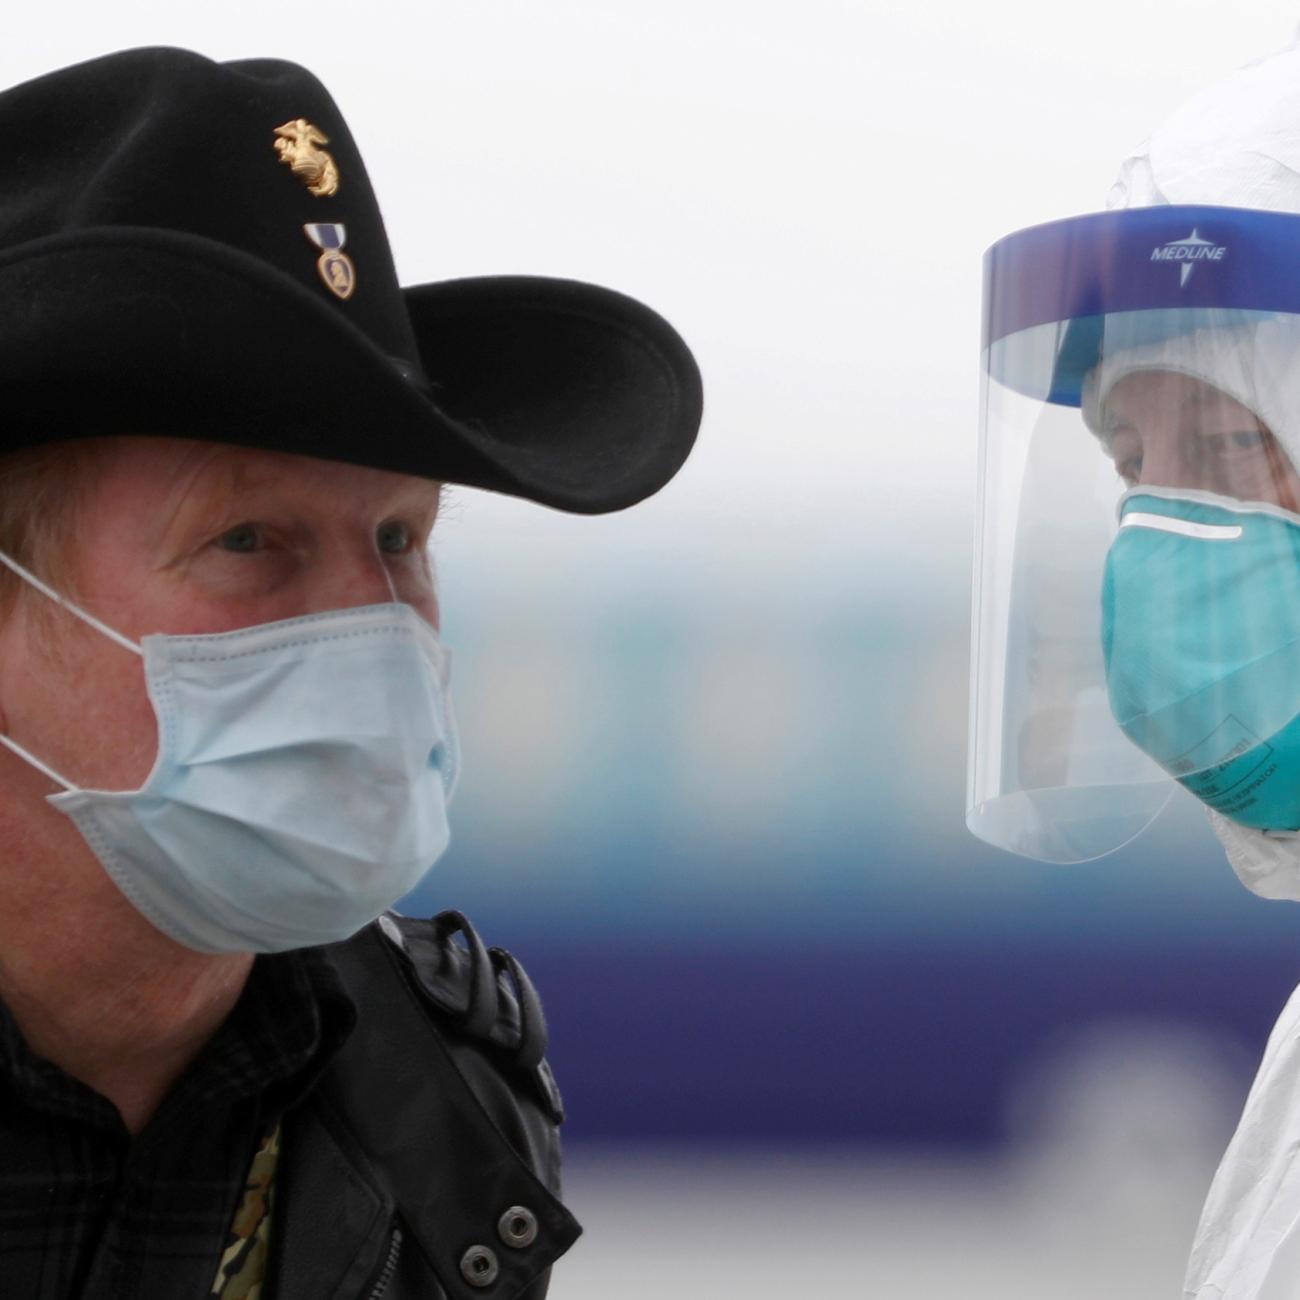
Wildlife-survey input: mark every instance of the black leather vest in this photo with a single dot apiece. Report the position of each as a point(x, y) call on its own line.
point(425, 1165)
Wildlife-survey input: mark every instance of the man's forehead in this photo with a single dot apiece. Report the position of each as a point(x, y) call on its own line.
point(176, 470)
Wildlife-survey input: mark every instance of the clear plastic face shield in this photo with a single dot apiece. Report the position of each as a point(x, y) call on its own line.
point(1137, 570)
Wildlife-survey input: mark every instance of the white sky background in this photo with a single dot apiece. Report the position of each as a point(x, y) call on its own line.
point(806, 191)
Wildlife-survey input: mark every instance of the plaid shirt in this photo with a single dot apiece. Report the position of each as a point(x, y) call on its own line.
point(88, 1213)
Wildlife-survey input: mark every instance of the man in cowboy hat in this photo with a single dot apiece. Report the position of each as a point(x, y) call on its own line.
point(227, 744)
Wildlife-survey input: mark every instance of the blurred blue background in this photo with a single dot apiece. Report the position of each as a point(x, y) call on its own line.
point(713, 801)
point(740, 874)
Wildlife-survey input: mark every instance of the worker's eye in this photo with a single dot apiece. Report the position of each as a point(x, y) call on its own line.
point(240, 538)
point(1244, 440)
point(1126, 452)
point(394, 537)
point(1232, 442)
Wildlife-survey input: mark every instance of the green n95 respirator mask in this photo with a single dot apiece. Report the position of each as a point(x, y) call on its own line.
point(1200, 635)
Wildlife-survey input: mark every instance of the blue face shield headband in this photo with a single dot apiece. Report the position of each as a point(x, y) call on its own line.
point(1158, 347)
point(1201, 640)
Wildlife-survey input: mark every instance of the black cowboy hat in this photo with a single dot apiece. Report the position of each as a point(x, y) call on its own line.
point(193, 249)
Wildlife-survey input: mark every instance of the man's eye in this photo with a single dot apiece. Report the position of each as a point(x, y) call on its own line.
point(241, 538)
point(393, 538)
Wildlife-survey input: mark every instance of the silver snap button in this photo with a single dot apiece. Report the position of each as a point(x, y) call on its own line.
point(391, 932)
point(479, 1267)
point(518, 1227)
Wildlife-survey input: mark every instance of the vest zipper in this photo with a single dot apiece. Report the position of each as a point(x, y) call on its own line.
point(390, 1265)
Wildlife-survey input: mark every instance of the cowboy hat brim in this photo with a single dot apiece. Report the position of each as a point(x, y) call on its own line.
point(565, 393)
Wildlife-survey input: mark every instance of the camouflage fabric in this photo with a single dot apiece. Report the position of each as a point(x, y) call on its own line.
point(243, 1262)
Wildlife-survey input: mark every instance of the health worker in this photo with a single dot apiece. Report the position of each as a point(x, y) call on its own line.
point(1137, 586)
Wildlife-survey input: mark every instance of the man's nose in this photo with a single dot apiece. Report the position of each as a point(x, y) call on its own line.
point(348, 576)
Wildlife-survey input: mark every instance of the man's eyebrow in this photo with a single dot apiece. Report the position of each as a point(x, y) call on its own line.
point(220, 483)
point(195, 475)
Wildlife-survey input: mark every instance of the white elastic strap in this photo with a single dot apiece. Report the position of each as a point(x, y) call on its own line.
point(109, 632)
point(1183, 527)
point(27, 576)
point(1232, 505)
point(36, 763)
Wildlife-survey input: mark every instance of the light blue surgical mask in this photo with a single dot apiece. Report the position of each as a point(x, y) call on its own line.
point(301, 783)
point(1201, 641)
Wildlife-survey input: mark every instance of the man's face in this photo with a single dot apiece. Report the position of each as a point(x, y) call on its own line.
point(1169, 430)
point(179, 536)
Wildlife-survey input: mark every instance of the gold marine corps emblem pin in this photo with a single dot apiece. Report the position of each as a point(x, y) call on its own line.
point(299, 145)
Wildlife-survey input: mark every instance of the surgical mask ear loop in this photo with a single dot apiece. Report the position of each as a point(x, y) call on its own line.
point(31, 579)
point(392, 586)
point(388, 578)
point(426, 557)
